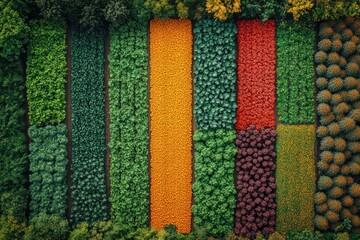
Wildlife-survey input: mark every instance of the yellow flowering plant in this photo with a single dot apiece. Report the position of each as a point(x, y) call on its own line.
point(221, 9)
point(299, 7)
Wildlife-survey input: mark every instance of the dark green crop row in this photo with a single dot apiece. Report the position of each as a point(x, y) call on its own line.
point(128, 94)
point(214, 74)
point(48, 170)
point(13, 194)
point(88, 126)
point(46, 71)
point(295, 72)
point(214, 190)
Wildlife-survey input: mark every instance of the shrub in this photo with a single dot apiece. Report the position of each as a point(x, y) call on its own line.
point(325, 45)
point(325, 120)
point(334, 129)
point(336, 192)
point(354, 147)
point(334, 71)
point(349, 48)
point(322, 131)
point(324, 96)
point(339, 158)
point(354, 190)
point(321, 70)
point(323, 109)
point(337, 45)
point(352, 69)
point(321, 222)
point(44, 227)
point(336, 83)
point(332, 217)
point(321, 82)
point(324, 183)
point(320, 198)
point(340, 144)
point(354, 135)
point(326, 156)
point(340, 181)
point(336, 99)
point(350, 83)
point(321, 57)
point(347, 124)
point(321, 208)
point(334, 205)
point(353, 95)
point(333, 58)
point(327, 143)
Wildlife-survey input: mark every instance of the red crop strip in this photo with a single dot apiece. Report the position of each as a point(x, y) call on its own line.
point(256, 74)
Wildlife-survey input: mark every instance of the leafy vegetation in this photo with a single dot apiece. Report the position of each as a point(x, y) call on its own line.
point(128, 94)
point(295, 169)
point(256, 74)
point(214, 191)
point(171, 123)
point(262, 9)
point(48, 170)
point(46, 71)
point(13, 194)
point(214, 74)
point(338, 132)
point(13, 33)
point(46, 227)
point(295, 72)
point(88, 126)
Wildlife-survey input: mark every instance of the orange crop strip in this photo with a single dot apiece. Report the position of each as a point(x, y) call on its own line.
point(171, 123)
point(256, 74)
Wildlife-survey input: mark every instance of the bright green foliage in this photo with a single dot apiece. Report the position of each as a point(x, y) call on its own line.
point(128, 94)
point(262, 9)
point(214, 74)
point(13, 195)
point(214, 190)
point(48, 170)
point(13, 33)
point(88, 126)
point(295, 72)
point(193, 9)
point(46, 71)
point(335, 9)
point(46, 227)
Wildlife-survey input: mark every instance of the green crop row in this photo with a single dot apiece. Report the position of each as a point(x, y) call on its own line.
point(295, 72)
point(295, 177)
point(13, 194)
point(214, 190)
point(88, 126)
point(128, 95)
point(46, 71)
point(214, 74)
point(48, 170)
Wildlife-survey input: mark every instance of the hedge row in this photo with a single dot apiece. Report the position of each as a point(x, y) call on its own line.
point(255, 181)
point(295, 177)
point(88, 126)
point(46, 71)
point(214, 74)
point(13, 194)
point(48, 162)
point(295, 72)
point(256, 74)
point(171, 123)
point(337, 67)
point(128, 95)
point(214, 191)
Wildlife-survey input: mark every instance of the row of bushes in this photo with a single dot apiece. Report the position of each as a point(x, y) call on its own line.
point(337, 67)
point(214, 74)
point(13, 194)
point(256, 74)
point(128, 98)
point(295, 72)
point(44, 227)
point(88, 126)
point(171, 123)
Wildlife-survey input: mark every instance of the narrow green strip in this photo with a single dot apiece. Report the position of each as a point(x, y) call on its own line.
point(295, 177)
point(13, 194)
point(128, 94)
point(295, 72)
point(88, 127)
